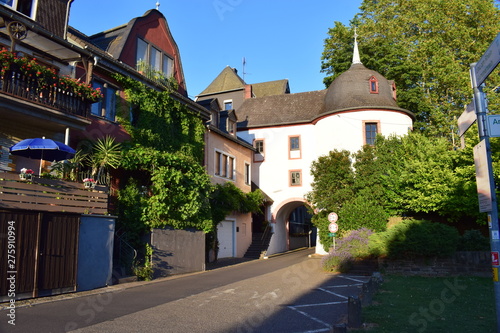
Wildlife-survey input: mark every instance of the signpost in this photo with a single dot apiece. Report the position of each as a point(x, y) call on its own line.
point(333, 227)
point(479, 72)
point(466, 119)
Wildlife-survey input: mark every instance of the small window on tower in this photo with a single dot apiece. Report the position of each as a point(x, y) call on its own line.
point(373, 85)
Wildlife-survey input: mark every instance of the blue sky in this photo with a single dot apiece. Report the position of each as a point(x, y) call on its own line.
point(280, 39)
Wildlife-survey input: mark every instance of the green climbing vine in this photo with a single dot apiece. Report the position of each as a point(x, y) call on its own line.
point(227, 198)
point(164, 159)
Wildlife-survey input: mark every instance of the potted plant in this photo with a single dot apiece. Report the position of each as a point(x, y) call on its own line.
point(26, 174)
point(89, 183)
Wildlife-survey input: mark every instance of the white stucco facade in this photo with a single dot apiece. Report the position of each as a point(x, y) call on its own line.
point(344, 130)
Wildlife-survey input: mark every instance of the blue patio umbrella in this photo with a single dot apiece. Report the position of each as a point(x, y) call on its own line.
point(42, 149)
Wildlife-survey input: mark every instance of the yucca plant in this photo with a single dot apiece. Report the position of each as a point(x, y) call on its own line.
point(105, 153)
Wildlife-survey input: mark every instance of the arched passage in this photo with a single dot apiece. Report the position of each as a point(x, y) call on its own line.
point(292, 227)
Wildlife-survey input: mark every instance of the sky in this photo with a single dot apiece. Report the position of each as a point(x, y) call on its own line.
point(279, 39)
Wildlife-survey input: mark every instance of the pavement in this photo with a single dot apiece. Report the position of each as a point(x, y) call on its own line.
point(221, 263)
point(295, 298)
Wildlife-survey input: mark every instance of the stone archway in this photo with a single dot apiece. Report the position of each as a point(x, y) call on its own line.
point(291, 226)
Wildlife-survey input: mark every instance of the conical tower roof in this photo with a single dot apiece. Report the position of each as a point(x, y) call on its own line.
point(353, 89)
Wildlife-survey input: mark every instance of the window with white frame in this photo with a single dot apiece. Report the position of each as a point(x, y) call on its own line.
point(259, 150)
point(295, 177)
point(247, 174)
point(224, 165)
point(228, 104)
point(105, 107)
point(26, 7)
point(154, 57)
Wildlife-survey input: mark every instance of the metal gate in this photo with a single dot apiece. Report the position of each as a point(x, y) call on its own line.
point(45, 252)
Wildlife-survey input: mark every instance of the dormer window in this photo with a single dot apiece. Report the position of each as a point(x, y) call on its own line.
point(149, 56)
point(228, 104)
point(394, 90)
point(26, 7)
point(373, 85)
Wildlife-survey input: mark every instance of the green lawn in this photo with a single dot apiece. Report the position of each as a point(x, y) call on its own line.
point(432, 304)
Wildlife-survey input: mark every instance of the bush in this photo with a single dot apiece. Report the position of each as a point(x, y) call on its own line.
point(363, 212)
point(352, 246)
point(414, 239)
point(473, 240)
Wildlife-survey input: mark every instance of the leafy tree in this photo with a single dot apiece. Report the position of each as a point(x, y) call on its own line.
point(426, 46)
point(413, 175)
point(331, 189)
point(333, 181)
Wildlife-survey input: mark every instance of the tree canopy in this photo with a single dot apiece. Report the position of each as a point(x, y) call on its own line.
point(426, 47)
point(413, 175)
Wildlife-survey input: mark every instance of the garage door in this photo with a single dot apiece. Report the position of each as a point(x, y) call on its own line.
point(225, 235)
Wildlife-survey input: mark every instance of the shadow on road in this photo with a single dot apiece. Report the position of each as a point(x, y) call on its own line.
point(318, 308)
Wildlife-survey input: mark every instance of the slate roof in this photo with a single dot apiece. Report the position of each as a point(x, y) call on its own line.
point(349, 92)
point(351, 89)
point(281, 109)
point(278, 87)
point(227, 80)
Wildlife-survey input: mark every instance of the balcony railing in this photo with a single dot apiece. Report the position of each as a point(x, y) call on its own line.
point(14, 82)
point(51, 195)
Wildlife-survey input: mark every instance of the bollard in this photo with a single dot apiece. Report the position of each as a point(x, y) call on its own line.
point(339, 328)
point(354, 312)
point(366, 294)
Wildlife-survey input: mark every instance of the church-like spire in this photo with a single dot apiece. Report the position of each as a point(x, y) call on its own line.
point(355, 56)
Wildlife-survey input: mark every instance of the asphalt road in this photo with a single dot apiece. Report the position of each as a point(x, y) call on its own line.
point(287, 293)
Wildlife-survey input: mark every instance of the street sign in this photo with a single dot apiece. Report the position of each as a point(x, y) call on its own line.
point(466, 119)
point(482, 178)
point(332, 234)
point(488, 61)
point(333, 217)
point(494, 259)
point(493, 125)
point(333, 227)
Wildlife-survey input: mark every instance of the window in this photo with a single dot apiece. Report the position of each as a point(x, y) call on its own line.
point(228, 105)
point(106, 107)
point(294, 147)
point(26, 7)
point(371, 131)
point(230, 126)
point(247, 173)
point(295, 178)
point(153, 57)
point(224, 165)
point(394, 94)
point(259, 147)
point(373, 85)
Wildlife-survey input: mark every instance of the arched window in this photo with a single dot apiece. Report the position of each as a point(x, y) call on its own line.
point(373, 85)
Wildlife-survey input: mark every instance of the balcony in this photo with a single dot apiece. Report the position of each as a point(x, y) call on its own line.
point(24, 79)
point(51, 195)
point(19, 85)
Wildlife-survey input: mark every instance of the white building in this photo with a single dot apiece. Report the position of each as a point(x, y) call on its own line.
point(290, 131)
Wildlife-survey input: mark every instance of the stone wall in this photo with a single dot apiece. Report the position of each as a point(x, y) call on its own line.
point(462, 263)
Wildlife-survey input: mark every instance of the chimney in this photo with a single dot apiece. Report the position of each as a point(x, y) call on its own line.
point(248, 91)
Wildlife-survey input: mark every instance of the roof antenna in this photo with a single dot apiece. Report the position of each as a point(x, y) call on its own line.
point(244, 63)
point(157, 5)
